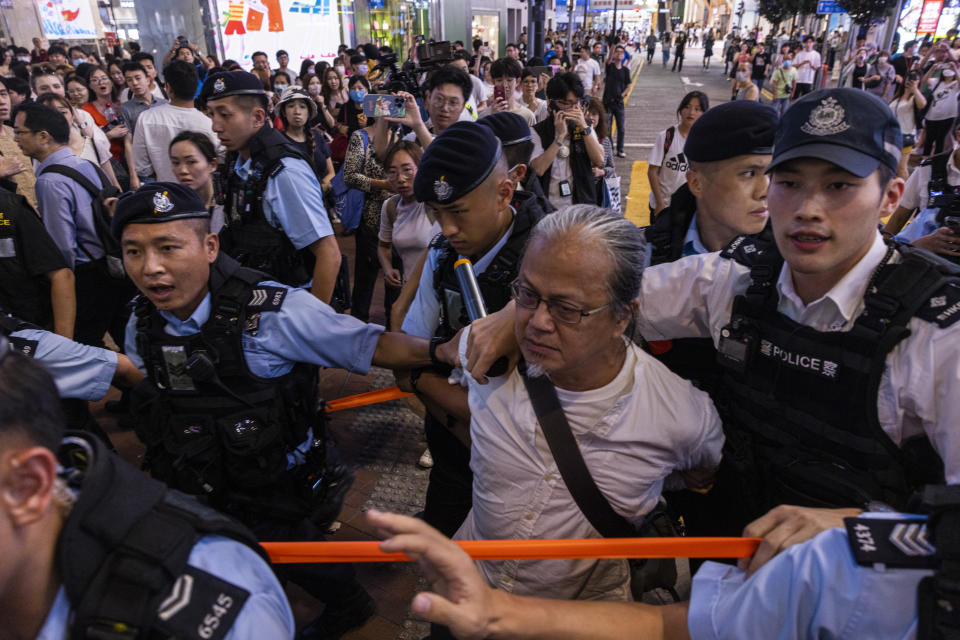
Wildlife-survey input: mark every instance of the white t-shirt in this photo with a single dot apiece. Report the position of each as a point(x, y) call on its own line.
point(410, 233)
point(943, 103)
point(673, 167)
point(587, 70)
point(806, 74)
point(916, 191)
point(903, 109)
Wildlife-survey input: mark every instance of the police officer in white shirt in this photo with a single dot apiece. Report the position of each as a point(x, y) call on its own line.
point(840, 352)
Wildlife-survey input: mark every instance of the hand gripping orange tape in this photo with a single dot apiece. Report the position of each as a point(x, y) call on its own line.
point(364, 399)
point(314, 552)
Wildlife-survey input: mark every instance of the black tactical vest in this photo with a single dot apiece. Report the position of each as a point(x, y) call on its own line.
point(665, 236)
point(124, 548)
point(494, 282)
point(247, 236)
point(212, 426)
point(800, 405)
point(21, 293)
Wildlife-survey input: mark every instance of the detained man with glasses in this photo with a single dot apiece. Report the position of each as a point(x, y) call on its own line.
point(639, 427)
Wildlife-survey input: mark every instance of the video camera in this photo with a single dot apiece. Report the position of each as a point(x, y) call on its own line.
point(431, 56)
point(946, 198)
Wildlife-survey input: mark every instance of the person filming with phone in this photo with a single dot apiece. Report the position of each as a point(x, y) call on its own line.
point(506, 74)
point(565, 147)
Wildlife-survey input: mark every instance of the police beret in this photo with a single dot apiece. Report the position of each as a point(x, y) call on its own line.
point(456, 163)
point(231, 83)
point(510, 127)
point(157, 202)
point(853, 129)
point(732, 129)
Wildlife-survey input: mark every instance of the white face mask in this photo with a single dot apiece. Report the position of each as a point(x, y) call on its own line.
point(279, 88)
point(362, 69)
point(23, 58)
point(741, 76)
point(78, 61)
point(883, 60)
point(314, 89)
point(948, 73)
point(340, 69)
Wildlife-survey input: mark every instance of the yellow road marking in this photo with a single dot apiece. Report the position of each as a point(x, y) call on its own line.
point(637, 208)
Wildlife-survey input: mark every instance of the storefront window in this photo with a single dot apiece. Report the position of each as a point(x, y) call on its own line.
point(486, 27)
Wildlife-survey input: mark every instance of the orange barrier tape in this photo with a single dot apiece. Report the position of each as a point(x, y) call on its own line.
point(364, 399)
point(313, 552)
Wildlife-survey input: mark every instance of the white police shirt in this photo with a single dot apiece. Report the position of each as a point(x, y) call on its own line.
point(265, 614)
point(812, 590)
point(78, 370)
point(920, 387)
point(635, 434)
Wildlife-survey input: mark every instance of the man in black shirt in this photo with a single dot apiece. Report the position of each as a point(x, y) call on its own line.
point(615, 87)
point(761, 61)
point(36, 284)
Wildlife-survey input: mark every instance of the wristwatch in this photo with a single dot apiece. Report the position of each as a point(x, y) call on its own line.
point(588, 130)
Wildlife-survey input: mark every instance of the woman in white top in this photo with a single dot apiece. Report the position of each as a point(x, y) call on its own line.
point(668, 166)
point(406, 227)
point(907, 99)
point(87, 140)
point(938, 122)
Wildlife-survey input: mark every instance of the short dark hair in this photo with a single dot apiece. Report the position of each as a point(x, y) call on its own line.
point(505, 68)
point(562, 84)
point(77, 47)
point(699, 96)
point(29, 402)
point(352, 80)
point(182, 78)
point(39, 117)
point(358, 58)
point(597, 107)
point(281, 52)
point(461, 54)
point(133, 66)
point(259, 53)
point(511, 44)
point(518, 153)
point(55, 49)
point(449, 74)
point(17, 85)
point(140, 56)
point(134, 46)
point(252, 101)
point(200, 140)
point(280, 73)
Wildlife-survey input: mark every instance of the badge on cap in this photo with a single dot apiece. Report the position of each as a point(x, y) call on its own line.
point(161, 203)
point(219, 85)
point(442, 189)
point(827, 119)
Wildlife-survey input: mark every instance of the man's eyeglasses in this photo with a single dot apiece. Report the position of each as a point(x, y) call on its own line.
point(439, 102)
point(559, 311)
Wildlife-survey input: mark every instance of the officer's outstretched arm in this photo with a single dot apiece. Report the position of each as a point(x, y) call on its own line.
point(473, 610)
point(325, 270)
point(401, 351)
point(127, 375)
point(490, 338)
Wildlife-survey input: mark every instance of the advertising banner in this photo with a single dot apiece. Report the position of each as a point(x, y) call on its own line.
point(929, 17)
point(303, 28)
point(67, 19)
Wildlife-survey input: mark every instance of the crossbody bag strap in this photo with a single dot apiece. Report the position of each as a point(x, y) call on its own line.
point(573, 470)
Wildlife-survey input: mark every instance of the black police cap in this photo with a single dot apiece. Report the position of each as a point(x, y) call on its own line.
point(155, 203)
point(510, 127)
point(231, 83)
point(737, 128)
point(850, 128)
point(456, 162)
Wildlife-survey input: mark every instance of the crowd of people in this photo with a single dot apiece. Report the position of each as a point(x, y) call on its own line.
point(762, 360)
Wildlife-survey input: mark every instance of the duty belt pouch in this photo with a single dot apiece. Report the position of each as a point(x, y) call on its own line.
point(812, 481)
point(654, 581)
point(938, 596)
point(254, 450)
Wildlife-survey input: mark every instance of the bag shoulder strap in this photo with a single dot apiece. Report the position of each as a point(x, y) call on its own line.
point(76, 176)
point(573, 470)
point(667, 143)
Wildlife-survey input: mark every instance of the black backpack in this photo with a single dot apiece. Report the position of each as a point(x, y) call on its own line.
point(112, 261)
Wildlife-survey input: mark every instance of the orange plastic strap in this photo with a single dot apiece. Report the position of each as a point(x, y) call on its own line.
point(364, 399)
point(312, 552)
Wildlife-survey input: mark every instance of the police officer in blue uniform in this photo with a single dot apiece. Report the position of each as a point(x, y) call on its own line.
point(882, 575)
point(472, 203)
point(82, 373)
point(275, 218)
point(229, 407)
point(94, 549)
